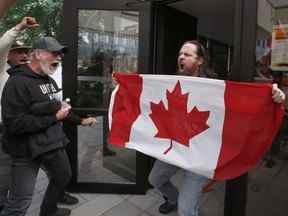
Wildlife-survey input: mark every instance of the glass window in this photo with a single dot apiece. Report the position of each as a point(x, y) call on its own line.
point(107, 42)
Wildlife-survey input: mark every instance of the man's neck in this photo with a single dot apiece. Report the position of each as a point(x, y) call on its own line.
point(186, 73)
point(36, 68)
point(11, 64)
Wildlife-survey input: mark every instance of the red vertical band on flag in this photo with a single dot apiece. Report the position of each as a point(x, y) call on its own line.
point(126, 107)
point(249, 127)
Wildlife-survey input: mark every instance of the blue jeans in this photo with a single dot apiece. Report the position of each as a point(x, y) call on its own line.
point(190, 192)
point(23, 179)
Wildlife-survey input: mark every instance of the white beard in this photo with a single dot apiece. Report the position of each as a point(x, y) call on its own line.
point(47, 69)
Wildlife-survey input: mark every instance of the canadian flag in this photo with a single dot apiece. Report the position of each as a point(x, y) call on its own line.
point(219, 129)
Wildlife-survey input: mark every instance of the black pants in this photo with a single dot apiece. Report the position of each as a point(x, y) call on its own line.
point(24, 175)
point(5, 172)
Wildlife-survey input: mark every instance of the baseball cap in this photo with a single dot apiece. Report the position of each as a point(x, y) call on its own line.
point(19, 45)
point(50, 44)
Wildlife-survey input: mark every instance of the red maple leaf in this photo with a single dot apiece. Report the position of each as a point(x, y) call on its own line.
point(175, 123)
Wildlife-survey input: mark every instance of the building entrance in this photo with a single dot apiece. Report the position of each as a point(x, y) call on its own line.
point(107, 38)
point(144, 37)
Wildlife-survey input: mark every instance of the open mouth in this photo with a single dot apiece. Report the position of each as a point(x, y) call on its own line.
point(55, 64)
point(23, 61)
point(181, 66)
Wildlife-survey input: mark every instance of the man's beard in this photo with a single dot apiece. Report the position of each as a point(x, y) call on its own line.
point(184, 71)
point(188, 73)
point(47, 68)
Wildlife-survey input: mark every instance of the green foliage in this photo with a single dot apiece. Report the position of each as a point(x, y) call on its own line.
point(48, 14)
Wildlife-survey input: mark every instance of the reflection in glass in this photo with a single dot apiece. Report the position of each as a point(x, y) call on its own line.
point(98, 162)
point(218, 56)
point(107, 42)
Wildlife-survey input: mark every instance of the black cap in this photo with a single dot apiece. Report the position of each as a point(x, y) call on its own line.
point(50, 44)
point(19, 45)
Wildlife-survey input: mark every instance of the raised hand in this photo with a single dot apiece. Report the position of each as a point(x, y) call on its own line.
point(27, 22)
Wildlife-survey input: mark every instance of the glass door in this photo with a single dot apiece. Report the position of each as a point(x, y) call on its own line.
point(108, 40)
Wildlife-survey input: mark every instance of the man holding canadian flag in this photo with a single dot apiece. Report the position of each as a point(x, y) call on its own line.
point(212, 129)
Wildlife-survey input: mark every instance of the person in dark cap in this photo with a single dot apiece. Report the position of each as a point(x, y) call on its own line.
point(51, 44)
point(33, 137)
point(19, 54)
point(47, 55)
